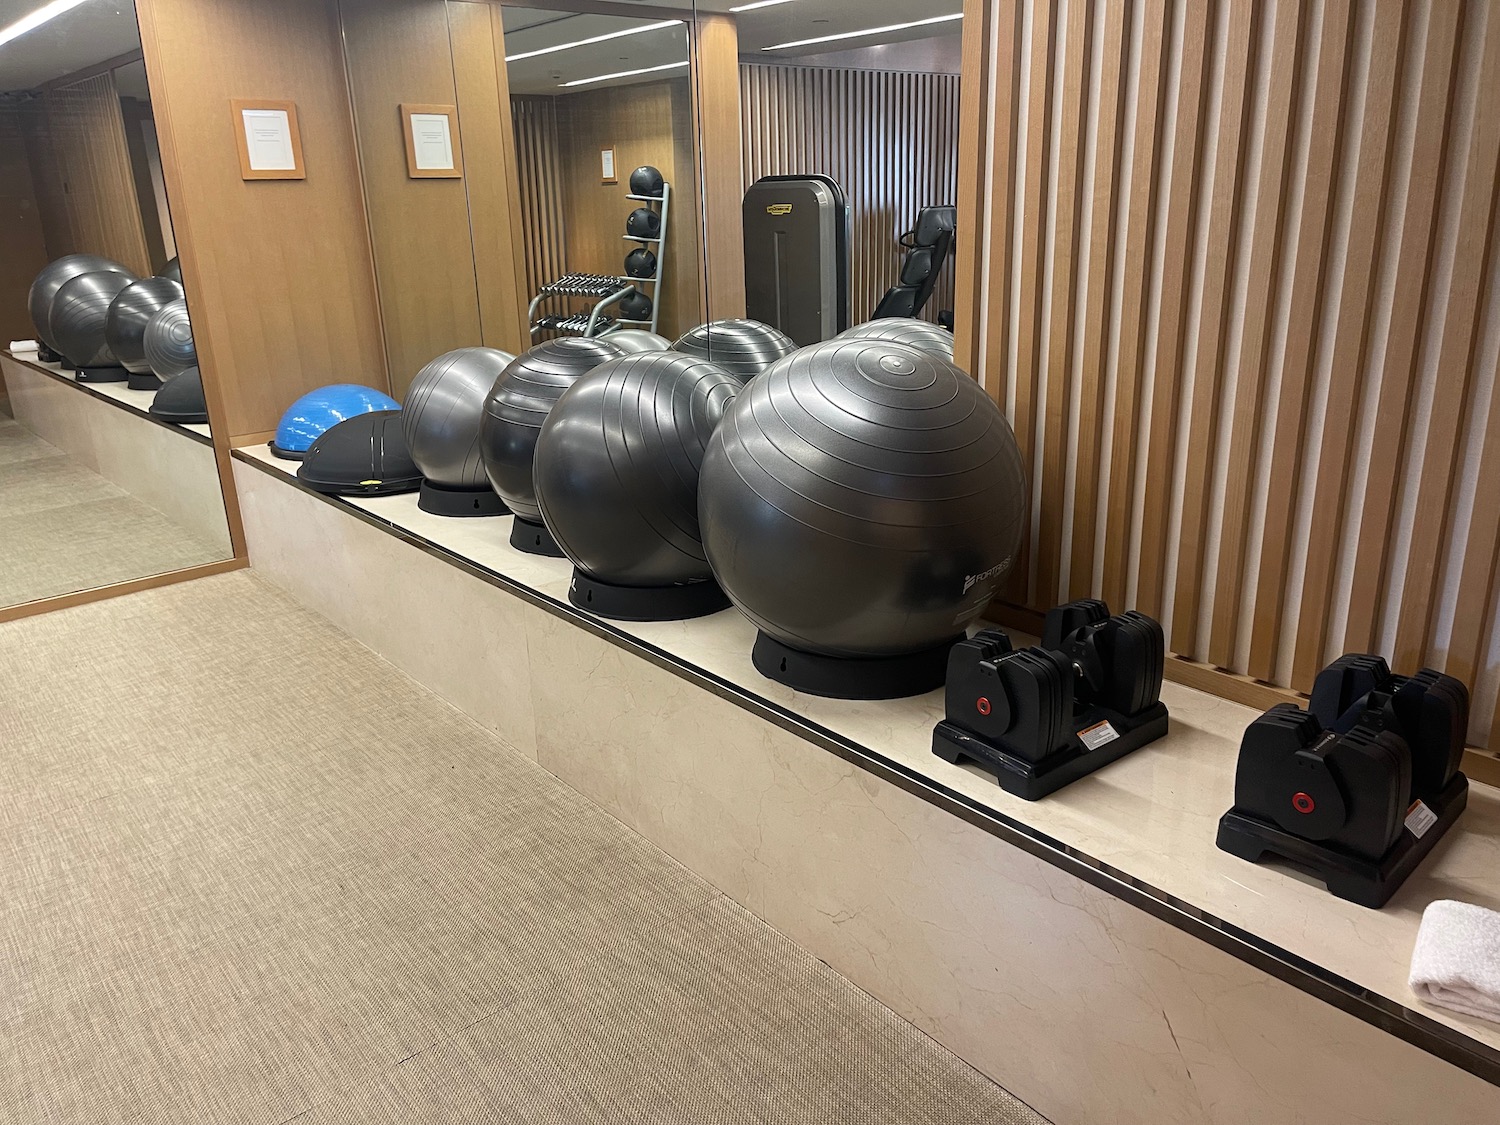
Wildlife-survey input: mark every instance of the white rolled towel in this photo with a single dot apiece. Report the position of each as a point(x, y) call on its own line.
point(1456, 962)
point(22, 345)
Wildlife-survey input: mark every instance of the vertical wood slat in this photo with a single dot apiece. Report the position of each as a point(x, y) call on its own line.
point(1231, 130)
point(1290, 410)
point(1369, 145)
point(1065, 261)
point(1181, 186)
point(1131, 314)
point(1285, 56)
point(1397, 378)
point(1476, 163)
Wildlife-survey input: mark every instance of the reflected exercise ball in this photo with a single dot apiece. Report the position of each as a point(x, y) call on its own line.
point(53, 277)
point(647, 181)
point(514, 411)
point(862, 503)
point(172, 271)
point(920, 334)
point(168, 341)
point(638, 340)
point(129, 314)
point(181, 399)
point(79, 313)
point(440, 418)
point(744, 348)
point(317, 412)
point(616, 478)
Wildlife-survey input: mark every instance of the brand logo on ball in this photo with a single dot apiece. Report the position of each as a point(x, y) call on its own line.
point(972, 580)
point(779, 209)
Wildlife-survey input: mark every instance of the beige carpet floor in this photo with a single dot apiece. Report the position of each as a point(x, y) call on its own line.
point(249, 872)
point(64, 527)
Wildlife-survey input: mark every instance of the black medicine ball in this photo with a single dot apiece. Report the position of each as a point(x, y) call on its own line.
point(640, 262)
point(643, 223)
point(637, 306)
point(646, 180)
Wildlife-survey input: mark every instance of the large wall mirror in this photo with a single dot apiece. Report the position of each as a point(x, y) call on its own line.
point(107, 468)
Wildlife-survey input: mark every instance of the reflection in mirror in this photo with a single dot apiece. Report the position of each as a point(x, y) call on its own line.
point(849, 125)
point(497, 147)
point(107, 468)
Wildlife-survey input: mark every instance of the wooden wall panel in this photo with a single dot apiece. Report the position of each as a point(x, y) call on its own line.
point(890, 138)
point(716, 90)
point(1236, 286)
point(398, 51)
point(544, 214)
point(23, 248)
point(489, 145)
point(279, 273)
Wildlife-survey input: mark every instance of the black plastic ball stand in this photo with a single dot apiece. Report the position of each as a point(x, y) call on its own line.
point(844, 677)
point(441, 500)
point(101, 375)
point(534, 539)
point(1365, 882)
point(44, 354)
point(143, 381)
point(646, 603)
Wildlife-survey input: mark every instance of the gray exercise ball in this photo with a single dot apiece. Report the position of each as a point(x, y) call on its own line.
point(172, 271)
point(79, 313)
point(863, 499)
point(920, 334)
point(53, 277)
point(129, 314)
point(638, 340)
point(519, 403)
point(744, 348)
point(616, 468)
point(168, 341)
point(441, 413)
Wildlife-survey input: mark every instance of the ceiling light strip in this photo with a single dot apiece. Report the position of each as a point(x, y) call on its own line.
point(758, 4)
point(36, 19)
point(624, 74)
point(593, 39)
point(867, 31)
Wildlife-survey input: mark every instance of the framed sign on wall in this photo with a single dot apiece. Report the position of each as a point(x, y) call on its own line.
point(270, 143)
point(433, 150)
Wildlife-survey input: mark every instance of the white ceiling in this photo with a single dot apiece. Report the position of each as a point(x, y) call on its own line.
point(89, 34)
point(527, 29)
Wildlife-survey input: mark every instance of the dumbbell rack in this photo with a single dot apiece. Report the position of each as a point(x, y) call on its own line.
point(604, 291)
point(659, 243)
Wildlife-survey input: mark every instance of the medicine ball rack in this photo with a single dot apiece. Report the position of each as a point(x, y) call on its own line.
point(603, 290)
point(1041, 718)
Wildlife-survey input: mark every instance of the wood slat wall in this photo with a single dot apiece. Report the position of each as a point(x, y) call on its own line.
point(890, 138)
point(543, 211)
point(1236, 287)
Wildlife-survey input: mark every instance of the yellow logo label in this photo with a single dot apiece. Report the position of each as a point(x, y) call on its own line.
point(779, 209)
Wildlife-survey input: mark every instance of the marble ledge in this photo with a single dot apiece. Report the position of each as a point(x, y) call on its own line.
point(137, 402)
point(1149, 820)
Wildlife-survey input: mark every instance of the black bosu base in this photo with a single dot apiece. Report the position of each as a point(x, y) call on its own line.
point(143, 381)
point(286, 454)
point(442, 500)
point(101, 375)
point(1359, 880)
point(534, 539)
point(852, 677)
point(646, 603)
point(1033, 780)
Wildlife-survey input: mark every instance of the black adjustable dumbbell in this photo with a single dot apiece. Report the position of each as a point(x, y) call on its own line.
point(1039, 718)
point(1361, 785)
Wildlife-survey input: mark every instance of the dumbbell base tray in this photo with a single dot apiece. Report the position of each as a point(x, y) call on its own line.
point(1359, 880)
point(1033, 780)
